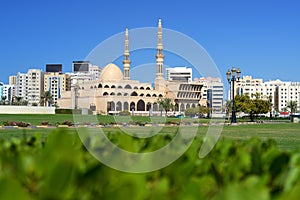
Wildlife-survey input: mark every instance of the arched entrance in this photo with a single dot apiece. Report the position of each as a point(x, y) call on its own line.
point(140, 105)
point(182, 107)
point(132, 106)
point(119, 106)
point(176, 107)
point(112, 106)
point(148, 106)
point(125, 105)
point(155, 107)
point(187, 106)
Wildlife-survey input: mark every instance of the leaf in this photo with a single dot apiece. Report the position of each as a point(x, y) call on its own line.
point(11, 189)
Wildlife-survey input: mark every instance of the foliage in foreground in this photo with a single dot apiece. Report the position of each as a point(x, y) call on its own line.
point(61, 168)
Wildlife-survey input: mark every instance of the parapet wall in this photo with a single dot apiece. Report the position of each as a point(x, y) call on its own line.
point(26, 110)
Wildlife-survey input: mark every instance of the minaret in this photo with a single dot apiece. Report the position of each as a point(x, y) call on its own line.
point(126, 61)
point(159, 82)
point(159, 55)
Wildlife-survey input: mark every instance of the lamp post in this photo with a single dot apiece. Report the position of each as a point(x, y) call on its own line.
point(270, 98)
point(232, 76)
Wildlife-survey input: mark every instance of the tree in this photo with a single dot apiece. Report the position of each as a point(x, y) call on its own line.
point(199, 110)
point(253, 107)
point(292, 105)
point(228, 107)
point(46, 97)
point(3, 98)
point(17, 100)
point(166, 104)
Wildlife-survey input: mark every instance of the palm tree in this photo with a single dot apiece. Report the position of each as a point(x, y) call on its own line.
point(46, 97)
point(3, 98)
point(166, 104)
point(292, 105)
point(18, 100)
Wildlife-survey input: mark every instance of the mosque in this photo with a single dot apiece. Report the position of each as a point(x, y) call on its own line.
point(114, 91)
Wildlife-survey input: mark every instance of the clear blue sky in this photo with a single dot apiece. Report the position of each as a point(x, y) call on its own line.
point(260, 37)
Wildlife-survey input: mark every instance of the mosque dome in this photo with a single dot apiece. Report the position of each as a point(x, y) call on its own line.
point(111, 72)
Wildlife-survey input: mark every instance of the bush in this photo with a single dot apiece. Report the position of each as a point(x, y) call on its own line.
point(69, 123)
point(124, 113)
point(13, 123)
point(232, 170)
point(173, 122)
point(71, 111)
point(5, 123)
point(22, 124)
point(44, 123)
point(67, 111)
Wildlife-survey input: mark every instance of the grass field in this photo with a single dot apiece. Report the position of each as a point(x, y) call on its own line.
point(59, 118)
point(53, 119)
point(287, 135)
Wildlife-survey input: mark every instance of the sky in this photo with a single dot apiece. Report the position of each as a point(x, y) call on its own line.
point(262, 38)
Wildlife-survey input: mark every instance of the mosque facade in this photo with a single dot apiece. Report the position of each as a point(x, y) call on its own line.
point(114, 91)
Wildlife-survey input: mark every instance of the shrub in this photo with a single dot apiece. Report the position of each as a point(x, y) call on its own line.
point(67, 111)
point(102, 123)
point(69, 123)
point(13, 123)
point(5, 123)
point(22, 124)
point(173, 122)
point(44, 123)
point(232, 170)
point(124, 113)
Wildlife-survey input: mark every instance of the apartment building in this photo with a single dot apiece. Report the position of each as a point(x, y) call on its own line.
point(84, 71)
point(179, 74)
point(212, 93)
point(278, 92)
point(30, 86)
point(56, 83)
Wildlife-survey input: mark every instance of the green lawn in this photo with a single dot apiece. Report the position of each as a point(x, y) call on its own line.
point(287, 135)
point(36, 119)
point(53, 119)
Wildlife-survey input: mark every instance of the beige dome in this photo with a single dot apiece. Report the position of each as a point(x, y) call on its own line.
point(111, 72)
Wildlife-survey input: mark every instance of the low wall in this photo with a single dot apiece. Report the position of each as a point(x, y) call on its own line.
point(26, 110)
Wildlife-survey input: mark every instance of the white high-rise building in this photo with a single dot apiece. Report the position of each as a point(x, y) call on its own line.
point(30, 86)
point(9, 92)
point(277, 91)
point(21, 85)
point(180, 74)
point(212, 93)
point(12, 80)
point(288, 91)
point(55, 83)
point(84, 71)
point(1, 89)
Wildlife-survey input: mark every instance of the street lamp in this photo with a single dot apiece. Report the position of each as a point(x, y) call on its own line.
point(232, 76)
point(270, 99)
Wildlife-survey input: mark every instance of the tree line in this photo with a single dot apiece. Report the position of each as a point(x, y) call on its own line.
point(46, 99)
point(257, 105)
